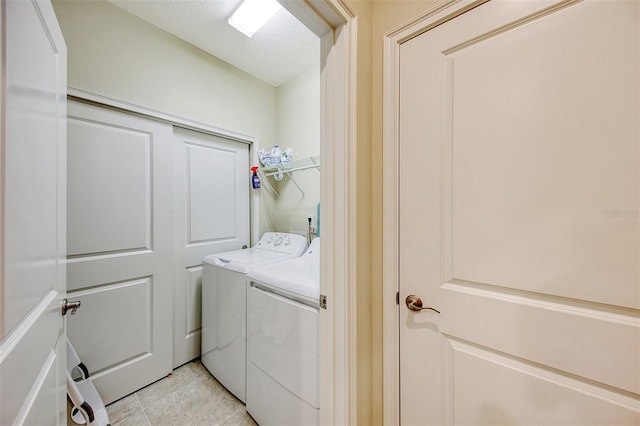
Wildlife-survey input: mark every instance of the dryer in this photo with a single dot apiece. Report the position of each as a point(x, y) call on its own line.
point(224, 305)
point(283, 341)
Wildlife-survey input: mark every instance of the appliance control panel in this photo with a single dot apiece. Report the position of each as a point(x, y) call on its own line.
point(282, 242)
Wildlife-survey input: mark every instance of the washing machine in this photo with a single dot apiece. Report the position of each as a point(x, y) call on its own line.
point(224, 305)
point(283, 341)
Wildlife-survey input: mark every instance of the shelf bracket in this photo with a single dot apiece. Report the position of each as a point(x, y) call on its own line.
point(295, 183)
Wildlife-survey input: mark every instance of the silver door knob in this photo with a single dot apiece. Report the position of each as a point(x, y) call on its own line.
point(414, 303)
point(70, 306)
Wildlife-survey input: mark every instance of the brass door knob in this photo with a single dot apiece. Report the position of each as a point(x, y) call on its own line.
point(414, 303)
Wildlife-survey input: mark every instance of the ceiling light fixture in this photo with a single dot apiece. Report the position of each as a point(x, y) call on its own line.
point(252, 15)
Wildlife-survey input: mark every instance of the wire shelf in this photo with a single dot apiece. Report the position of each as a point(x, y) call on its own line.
point(278, 171)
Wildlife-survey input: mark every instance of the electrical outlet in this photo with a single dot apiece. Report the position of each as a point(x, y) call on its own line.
point(312, 229)
point(310, 218)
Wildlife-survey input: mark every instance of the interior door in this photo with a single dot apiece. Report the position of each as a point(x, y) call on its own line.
point(119, 247)
point(519, 216)
point(211, 215)
point(33, 141)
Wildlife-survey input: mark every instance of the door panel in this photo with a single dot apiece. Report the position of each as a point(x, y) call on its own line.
point(46, 405)
point(31, 122)
point(119, 226)
point(193, 302)
point(110, 186)
point(526, 205)
point(527, 394)
point(211, 186)
point(30, 355)
point(519, 182)
point(211, 215)
point(131, 328)
point(33, 153)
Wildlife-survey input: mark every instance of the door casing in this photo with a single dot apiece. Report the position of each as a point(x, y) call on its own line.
point(336, 24)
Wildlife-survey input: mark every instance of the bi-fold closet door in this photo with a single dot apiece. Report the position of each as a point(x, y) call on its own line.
point(142, 206)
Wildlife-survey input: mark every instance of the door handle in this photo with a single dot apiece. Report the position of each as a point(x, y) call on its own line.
point(414, 303)
point(70, 306)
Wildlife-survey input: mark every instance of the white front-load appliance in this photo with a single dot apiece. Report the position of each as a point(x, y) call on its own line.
point(224, 305)
point(283, 341)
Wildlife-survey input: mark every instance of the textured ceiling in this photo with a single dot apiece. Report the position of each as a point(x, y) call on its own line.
point(279, 51)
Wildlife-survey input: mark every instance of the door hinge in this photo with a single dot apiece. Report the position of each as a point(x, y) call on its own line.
point(323, 301)
point(397, 298)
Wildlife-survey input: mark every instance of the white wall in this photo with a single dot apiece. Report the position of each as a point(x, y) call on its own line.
point(115, 54)
point(298, 127)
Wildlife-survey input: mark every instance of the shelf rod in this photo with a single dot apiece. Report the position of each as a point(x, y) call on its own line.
point(295, 169)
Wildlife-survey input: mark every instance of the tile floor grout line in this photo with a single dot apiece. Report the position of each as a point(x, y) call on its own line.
point(144, 413)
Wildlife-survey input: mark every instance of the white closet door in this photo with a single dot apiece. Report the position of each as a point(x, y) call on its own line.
point(119, 246)
point(211, 215)
point(519, 216)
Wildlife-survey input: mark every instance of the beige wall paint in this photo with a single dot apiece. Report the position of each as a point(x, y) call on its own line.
point(115, 54)
point(375, 18)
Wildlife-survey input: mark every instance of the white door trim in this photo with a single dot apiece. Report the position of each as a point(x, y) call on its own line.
point(391, 192)
point(338, 336)
point(336, 23)
point(84, 96)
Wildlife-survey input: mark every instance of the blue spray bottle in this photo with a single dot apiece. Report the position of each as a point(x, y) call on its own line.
point(255, 180)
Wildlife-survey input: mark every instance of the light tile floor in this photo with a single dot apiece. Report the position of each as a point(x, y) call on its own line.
point(190, 396)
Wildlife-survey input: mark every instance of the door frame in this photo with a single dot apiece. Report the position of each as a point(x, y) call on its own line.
point(336, 24)
point(391, 193)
